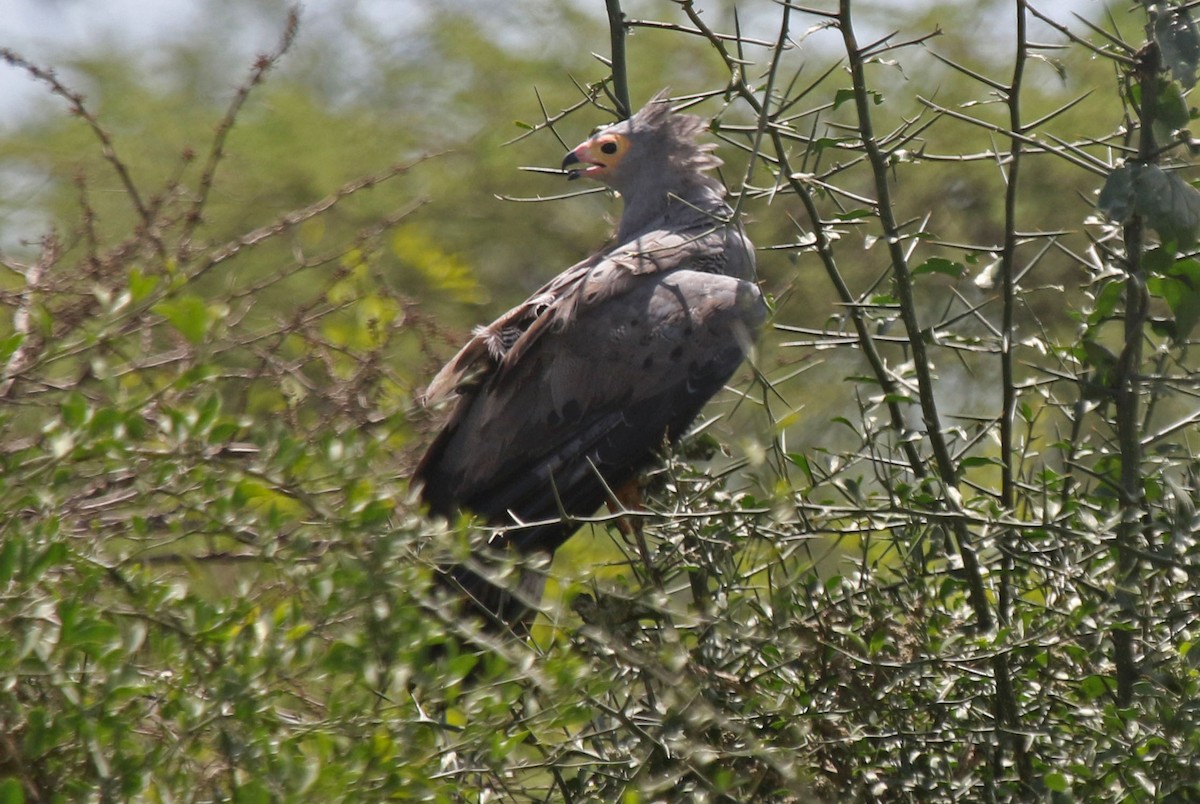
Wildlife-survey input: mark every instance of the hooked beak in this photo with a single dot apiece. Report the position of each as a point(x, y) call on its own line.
point(585, 165)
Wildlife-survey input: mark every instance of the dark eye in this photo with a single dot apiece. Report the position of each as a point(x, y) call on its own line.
point(609, 148)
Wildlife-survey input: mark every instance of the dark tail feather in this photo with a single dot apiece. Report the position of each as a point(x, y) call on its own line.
point(506, 604)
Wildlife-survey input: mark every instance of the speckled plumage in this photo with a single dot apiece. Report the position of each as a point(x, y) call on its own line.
point(569, 394)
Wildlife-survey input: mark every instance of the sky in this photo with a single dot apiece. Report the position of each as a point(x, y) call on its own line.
point(47, 31)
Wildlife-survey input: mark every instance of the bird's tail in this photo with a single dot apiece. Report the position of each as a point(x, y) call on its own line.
point(505, 602)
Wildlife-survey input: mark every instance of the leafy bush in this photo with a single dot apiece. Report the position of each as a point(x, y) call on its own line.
point(940, 546)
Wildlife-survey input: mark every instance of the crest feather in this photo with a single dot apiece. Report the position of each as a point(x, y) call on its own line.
point(680, 132)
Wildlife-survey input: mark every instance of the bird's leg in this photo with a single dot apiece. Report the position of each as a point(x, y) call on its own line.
point(624, 499)
point(628, 497)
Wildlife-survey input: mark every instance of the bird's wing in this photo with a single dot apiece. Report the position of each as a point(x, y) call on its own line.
point(500, 345)
point(573, 391)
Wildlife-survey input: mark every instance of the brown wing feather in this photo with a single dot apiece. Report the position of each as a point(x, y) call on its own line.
point(500, 345)
point(590, 400)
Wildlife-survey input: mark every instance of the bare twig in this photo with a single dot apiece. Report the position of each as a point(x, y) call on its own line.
point(34, 275)
point(75, 101)
point(296, 217)
point(262, 65)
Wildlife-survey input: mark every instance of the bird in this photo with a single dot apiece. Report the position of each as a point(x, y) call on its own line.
point(567, 397)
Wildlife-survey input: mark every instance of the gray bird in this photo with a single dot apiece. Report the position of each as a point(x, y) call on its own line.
point(568, 396)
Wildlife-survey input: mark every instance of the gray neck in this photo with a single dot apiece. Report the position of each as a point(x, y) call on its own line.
point(687, 203)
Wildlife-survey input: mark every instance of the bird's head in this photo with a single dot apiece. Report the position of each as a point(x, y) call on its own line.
point(652, 148)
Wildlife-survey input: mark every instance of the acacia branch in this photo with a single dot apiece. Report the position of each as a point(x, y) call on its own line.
point(902, 281)
point(798, 183)
point(620, 73)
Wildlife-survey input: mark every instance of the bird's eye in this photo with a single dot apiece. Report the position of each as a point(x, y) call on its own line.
point(609, 148)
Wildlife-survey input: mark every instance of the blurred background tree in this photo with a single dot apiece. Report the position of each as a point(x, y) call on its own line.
point(227, 278)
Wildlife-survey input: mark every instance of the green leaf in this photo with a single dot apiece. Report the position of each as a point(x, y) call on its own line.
point(135, 425)
point(1186, 271)
point(207, 413)
point(843, 95)
point(83, 633)
point(188, 315)
point(8, 559)
point(140, 285)
point(1180, 289)
point(800, 460)
point(253, 792)
point(54, 554)
point(1170, 107)
point(376, 512)
point(1178, 41)
point(1097, 356)
point(821, 143)
point(1158, 261)
point(461, 665)
point(1057, 782)
point(104, 421)
point(1106, 302)
point(1095, 686)
point(247, 490)
point(1116, 197)
point(1170, 205)
point(11, 791)
point(75, 410)
point(978, 460)
point(9, 345)
point(342, 657)
point(223, 431)
point(939, 265)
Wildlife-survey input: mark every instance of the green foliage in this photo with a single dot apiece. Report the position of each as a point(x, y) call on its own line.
point(942, 546)
point(1170, 205)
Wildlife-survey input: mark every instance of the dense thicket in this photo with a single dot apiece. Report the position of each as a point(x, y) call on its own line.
point(938, 542)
